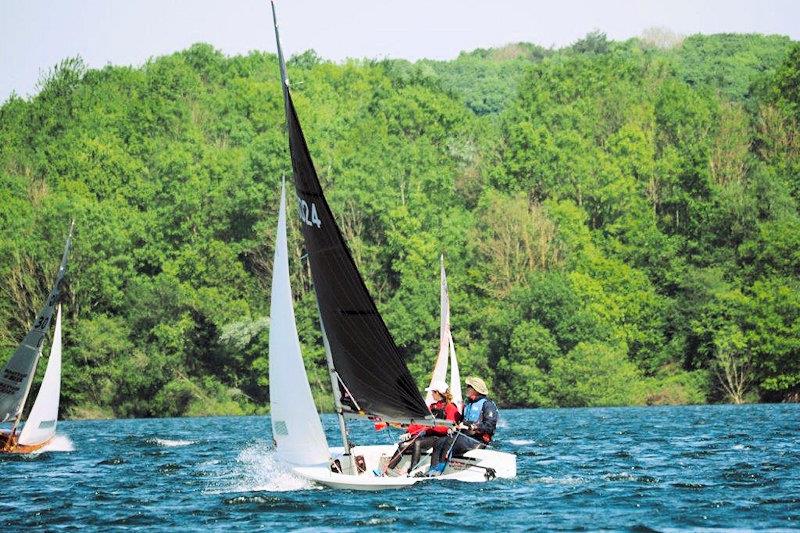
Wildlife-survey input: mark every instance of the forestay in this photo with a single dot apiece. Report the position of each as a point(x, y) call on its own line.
point(17, 376)
point(296, 426)
point(374, 377)
point(41, 423)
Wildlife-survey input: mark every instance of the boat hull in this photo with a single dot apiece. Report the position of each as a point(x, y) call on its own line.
point(9, 444)
point(476, 466)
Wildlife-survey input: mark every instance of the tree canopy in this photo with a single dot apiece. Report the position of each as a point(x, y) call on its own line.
point(619, 220)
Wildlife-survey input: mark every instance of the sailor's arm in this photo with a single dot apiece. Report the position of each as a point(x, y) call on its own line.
point(487, 422)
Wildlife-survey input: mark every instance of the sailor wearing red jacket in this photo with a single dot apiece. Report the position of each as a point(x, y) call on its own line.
point(424, 437)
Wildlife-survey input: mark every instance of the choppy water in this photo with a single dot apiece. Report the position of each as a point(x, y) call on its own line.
point(586, 469)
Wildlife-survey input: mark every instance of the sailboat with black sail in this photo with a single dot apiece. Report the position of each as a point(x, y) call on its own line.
point(368, 375)
point(16, 378)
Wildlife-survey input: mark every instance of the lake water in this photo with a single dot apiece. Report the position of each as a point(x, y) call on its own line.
point(578, 469)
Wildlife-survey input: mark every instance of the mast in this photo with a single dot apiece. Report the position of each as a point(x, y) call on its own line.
point(281, 61)
point(328, 356)
point(369, 366)
point(440, 368)
point(337, 396)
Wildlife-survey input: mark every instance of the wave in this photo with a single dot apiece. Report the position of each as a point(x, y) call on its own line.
point(257, 469)
point(170, 443)
point(521, 442)
point(565, 480)
point(60, 443)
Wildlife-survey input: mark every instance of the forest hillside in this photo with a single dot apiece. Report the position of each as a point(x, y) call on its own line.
point(619, 220)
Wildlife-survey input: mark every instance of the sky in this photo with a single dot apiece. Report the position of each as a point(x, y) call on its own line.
point(36, 34)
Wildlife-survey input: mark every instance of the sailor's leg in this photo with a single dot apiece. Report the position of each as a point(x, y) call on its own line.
point(440, 450)
point(415, 455)
point(398, 455)
point(422, 444)
point(464, 443)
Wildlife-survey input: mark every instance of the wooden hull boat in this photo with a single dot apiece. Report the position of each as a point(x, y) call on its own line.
point(10, 444)
point(16, 378)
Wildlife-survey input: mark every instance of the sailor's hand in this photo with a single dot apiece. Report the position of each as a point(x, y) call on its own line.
point(405, 436)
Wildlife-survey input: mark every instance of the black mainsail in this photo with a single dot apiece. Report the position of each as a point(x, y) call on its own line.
point(17, 375)
point(374, 380)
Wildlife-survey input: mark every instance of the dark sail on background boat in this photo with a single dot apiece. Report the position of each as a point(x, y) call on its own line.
point(374, 378)
point(17, 376)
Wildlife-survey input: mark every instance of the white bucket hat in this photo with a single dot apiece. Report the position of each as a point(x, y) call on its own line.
point(438, 386)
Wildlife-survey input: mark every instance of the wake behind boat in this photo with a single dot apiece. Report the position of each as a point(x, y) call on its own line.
point(17, 377)
point(368, 375)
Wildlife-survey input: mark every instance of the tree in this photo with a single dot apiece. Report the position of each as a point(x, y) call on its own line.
point(732, 363)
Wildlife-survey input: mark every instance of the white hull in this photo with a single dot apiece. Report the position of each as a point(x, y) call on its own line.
point(476, 466)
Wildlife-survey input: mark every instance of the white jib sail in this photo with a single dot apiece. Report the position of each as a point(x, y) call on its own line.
point(296, 426)
point(41, 424)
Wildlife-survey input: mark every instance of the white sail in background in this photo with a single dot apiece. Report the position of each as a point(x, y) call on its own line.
point(445, 346)
point(440, 369)
point(296, 426)
point(41, 424)
point(455, 376)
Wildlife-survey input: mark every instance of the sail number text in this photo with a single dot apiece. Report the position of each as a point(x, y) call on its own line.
point(308, 214)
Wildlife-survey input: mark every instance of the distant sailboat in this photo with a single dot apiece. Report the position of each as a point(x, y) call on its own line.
point(17, 377)
point(368, 375)
point(446, 348)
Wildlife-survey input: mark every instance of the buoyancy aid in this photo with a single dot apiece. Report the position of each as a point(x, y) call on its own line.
point(482, 424)
point(472, 411)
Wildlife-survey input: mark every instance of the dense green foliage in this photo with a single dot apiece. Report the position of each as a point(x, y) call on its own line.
point(620, 221)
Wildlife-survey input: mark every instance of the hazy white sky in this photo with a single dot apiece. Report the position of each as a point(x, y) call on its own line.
point(37, 34)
